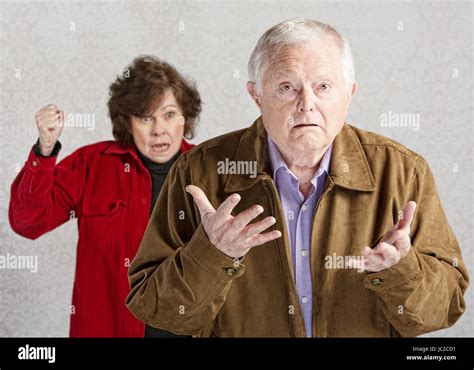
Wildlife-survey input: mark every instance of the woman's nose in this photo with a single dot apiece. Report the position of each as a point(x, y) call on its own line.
point(158, 128)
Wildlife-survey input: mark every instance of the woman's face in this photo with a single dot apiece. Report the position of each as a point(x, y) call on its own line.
point(158, 136)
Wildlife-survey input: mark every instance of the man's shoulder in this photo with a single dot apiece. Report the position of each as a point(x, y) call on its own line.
point(379, 148)
point(371, 139)
point(373, 144)
point(223, 146)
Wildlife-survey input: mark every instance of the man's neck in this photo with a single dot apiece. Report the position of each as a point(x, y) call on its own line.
point(304, 168)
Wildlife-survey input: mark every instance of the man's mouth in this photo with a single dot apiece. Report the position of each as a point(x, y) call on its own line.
point(307, 125)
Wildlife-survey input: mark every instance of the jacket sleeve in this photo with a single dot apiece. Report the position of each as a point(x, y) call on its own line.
point(424, 291)
point(45, 195)
point(178, 279)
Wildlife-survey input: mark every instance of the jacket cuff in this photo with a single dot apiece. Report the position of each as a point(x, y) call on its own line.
point(405, 270)
point(37, 161)
point(204, 253)
point(54, 153)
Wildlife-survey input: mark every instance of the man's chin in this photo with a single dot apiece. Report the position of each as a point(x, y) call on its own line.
point(308, 142)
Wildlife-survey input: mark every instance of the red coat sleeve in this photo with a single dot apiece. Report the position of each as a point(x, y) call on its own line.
point(45, 195)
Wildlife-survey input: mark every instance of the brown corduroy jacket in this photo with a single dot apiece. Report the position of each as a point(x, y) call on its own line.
point(180, 282)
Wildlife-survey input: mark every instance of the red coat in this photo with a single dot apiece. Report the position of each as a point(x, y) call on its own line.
point(108, 189)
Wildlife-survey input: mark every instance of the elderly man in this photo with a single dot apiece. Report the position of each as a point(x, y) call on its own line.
point(357, 241)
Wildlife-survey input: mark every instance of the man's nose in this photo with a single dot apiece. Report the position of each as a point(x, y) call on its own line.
point(307, 100)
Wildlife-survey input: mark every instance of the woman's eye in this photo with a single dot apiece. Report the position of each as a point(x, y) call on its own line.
point(147, 119)
point(170, 114)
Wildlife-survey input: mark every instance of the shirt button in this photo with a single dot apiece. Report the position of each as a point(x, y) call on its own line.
point(376, 282)
point(304, 299)
point(305, 207)
point(34, 163)
point(304, 252)
point(231, 271)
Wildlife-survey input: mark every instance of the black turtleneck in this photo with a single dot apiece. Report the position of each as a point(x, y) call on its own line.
point(158, 172)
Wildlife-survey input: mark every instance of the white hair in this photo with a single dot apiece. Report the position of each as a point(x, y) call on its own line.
point(295, 31)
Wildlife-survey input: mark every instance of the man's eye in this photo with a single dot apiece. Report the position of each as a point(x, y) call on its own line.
point(324, 87)
point(285, 87)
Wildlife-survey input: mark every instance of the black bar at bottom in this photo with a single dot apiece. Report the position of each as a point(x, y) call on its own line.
point(67, 353)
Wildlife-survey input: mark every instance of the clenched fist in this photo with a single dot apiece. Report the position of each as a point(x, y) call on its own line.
point(50, 122)
point(233, 236)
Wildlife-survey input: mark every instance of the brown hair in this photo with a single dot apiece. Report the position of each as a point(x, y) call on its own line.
point(139, 89)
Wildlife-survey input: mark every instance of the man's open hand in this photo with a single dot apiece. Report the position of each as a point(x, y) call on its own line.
point(394, 245)
point(233, 236)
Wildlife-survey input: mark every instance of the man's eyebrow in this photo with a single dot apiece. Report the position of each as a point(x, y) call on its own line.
point(282, 73)
point(289, 73)
point(325, 76)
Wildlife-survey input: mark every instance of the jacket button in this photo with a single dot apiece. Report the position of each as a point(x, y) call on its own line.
point(231, 271)
point(376, 282)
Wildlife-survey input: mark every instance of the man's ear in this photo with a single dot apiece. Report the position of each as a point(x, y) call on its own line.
point(350, 94)
point(252, 90)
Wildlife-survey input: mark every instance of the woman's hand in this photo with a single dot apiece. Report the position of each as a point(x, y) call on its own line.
point(50, 123)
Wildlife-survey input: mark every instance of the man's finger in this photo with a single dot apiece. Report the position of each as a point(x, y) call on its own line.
point(408, 212)
point(264, 238)
point(258, 227)
point(374, 262)
point(389, 253)
point(243, 218)
point(402, 242)
point(203, 204)
point(226, 207)
point(367, 251)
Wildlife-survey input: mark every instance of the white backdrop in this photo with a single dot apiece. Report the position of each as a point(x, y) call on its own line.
point(411, 58)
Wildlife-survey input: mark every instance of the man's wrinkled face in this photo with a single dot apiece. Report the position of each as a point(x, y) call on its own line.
point(303, 98)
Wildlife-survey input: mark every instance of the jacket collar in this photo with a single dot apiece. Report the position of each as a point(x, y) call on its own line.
point(252, 147)
point(349, 166)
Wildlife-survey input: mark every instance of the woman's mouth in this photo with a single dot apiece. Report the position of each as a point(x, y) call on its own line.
point(160, 148)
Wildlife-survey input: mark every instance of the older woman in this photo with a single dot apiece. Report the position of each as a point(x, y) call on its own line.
point(110, 187)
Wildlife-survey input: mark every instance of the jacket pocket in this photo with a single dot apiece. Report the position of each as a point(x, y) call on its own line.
point(101, 224)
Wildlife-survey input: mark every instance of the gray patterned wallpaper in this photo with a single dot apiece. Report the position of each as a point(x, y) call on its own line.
point(411, 58)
